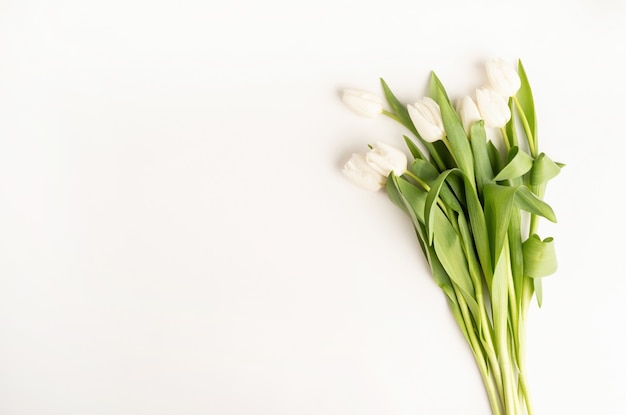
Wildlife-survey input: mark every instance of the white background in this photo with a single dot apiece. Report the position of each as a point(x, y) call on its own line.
point(176, 236)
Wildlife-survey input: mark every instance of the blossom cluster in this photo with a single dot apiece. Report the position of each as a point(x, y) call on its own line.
point(490, 105)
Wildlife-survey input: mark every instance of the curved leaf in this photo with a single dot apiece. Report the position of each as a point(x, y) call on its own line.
point(526, 200)
point(519, 164)
point(539, 257)
point(450, 253)
point(431, 200)
point(475, 211)
point(429, 174)
point(499, 202)
point(544, 169)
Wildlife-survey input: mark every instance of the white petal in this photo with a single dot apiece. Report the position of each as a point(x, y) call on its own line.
point(468, 111)
point(384, 159)
point(426, 117)
point(362, 103)
point(493, 108)
point(362, 174)
point(502, 77)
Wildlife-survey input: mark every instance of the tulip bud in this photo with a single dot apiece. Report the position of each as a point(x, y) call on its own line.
point(503, 77)
point(362, 174)
point(362, 103)
point(384, 159)
point(426, 117)
point(468, 111)
point(493, 108)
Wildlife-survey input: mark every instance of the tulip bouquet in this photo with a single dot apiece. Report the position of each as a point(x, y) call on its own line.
point(475, 207)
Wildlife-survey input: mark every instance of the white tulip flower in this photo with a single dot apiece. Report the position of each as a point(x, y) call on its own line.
point(361, 173)
point(502, 77)
point(493, 108)
point(362, 103)
point(386, 159)
point(426, 117)
point(468, 111)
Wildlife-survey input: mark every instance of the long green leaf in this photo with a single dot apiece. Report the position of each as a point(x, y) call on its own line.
point(499, 202)
point(431, 200)
point(436, 86)
point(498, 206)
point(393, 192)
point(447, 244)
point(525, 98)
point(456, 136)
point(482, 165)
point(515, 249)
point(415, 151)
point(475, 211)
point(398, 108)
point(429, 174)
point(494, 157)
point(450, 252)
point(414, 199)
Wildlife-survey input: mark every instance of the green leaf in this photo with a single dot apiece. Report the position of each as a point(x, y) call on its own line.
point(475, 211)
point(482, 165)
point(539, 257)
point(414, 199)
point(499, 202)
point(498, 206)
point(436, 86)
point(494, 157)
point(429, 174)
point(424, 170)
point(499, 305)
point(462, 151)
point(393, 192)
point(516, 251)
point(398, 108)
point(439, 273)
point(431, 200)
point(525, 97)
point(519, 163)
point(450, 252)
point(447, 244)
point(543, 170)
point(441, 155)
point(528, 201)
point(415, 151)
point(538, 286)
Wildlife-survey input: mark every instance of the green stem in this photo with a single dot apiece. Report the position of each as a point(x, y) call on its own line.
point(502, 341)
point(522, 369)
point(426, 187)
point(391, 115)
point(490, 386)
point(505, 138)
point(418, 180)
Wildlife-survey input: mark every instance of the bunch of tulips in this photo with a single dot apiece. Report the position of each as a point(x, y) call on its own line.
point(475, 208)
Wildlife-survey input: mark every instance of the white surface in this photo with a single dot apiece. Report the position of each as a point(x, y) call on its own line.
point(176, 237)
